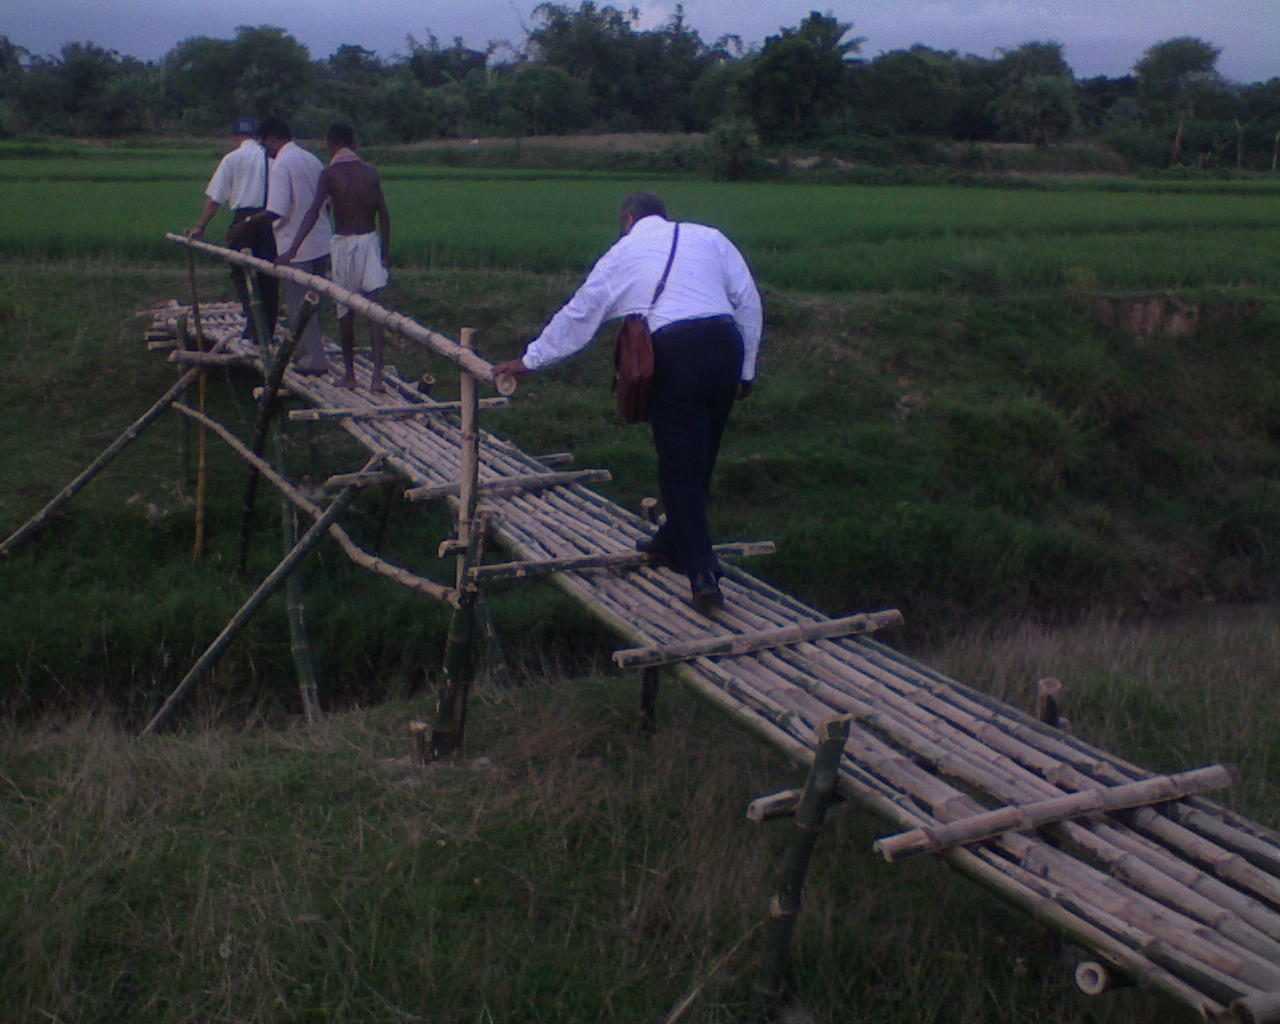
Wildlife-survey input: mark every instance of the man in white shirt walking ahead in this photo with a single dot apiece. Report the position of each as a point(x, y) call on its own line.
point(295, 173)
point(240, 182)
point(706, 326)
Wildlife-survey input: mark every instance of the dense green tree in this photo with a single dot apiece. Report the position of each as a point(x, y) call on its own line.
point(1178, 80)
point(1037, 97)
point(434, 66)
point(542, 100)
point(911, 92)
point(799, 82)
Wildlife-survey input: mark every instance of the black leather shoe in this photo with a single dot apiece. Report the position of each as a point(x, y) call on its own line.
point(706, 596)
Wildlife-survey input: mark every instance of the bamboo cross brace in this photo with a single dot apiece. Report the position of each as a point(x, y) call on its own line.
point(340, 480)
point(611, 560)
point(274, 579)
point(398, 323)
point(1022, 818)
point(748, 643)
point(391, 412)
point(101, 462)
point(512, 484)
point(190, 358)
point(357, 554)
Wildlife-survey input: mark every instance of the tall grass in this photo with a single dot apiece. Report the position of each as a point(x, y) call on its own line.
point(573, 872)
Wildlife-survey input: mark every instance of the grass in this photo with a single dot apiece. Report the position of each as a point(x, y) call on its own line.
point(942, 424)
point(573, 872)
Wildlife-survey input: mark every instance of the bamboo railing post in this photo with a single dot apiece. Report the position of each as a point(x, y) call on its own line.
point(295, 594)
point(819, 792)
point(1048, 701)
point(100, 463)
point(265, 589)
point(202, 438)
point(267, 406)
point(459, 659)
point(262, 330)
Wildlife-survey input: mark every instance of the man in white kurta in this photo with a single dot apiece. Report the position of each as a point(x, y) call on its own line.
point(240, 182)
point(295, 173)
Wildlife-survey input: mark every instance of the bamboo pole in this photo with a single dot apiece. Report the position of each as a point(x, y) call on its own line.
point(266, 407)
point(784, 906)
point(1050, 811)
point(509, 485)
point(391, 412)
point(396, 322)
point(274, 579)
point(353, 551)
point(610, 560)
point(101, 462)
point(747, 643)
point(295, 596)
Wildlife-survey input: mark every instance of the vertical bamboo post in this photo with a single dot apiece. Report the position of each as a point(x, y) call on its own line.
point(459, 659)
point(649, 700)
point(265, 589)
point(295, 594)
point(784, 906)
point(262, 330)
point(202, 436)
point(1048, 698)
point(273, 379)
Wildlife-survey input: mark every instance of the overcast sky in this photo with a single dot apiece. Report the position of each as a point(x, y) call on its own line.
point(1099, 37)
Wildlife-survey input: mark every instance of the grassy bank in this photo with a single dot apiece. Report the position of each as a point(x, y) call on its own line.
point(565, 870)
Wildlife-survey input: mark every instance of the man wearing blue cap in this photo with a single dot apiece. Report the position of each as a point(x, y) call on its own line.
point(241, 183)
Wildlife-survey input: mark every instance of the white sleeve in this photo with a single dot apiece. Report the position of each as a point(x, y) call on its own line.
point(573, 327)
point(748, 312)
point(219, 189)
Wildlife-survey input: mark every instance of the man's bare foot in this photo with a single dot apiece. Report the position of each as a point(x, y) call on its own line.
point(376, 385)
point(349, 382)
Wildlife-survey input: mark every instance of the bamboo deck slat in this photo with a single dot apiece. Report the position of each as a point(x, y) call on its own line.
point(1182, 898)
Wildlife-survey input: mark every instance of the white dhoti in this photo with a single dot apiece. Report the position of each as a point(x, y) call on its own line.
point(355, 263)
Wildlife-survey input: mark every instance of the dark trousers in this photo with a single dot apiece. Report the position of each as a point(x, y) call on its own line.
point(696, 368)
point(263, 246)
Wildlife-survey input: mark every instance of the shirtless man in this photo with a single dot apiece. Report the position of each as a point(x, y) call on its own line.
point(358, 254)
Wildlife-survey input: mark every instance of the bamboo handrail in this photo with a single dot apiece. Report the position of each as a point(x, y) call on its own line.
point(357, 554)
point(393, 321)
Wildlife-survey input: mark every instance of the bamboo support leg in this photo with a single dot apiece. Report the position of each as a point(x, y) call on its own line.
point(459, 656)
point(267, 406)
point(100, 463)
point(295, 596)
point(246, 611)
point(649, 700)
point(819, 792)
point(262, 330)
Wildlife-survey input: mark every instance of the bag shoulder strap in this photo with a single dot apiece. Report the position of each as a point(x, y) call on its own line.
point(662, 281)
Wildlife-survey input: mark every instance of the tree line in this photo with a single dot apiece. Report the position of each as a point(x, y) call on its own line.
point(590, 68)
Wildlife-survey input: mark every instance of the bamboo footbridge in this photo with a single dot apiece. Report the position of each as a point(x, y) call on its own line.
point(1155, 884)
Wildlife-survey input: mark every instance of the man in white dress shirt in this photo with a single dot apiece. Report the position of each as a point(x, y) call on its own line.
point(295, 173)
point(706, 328)
point(240, 181)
